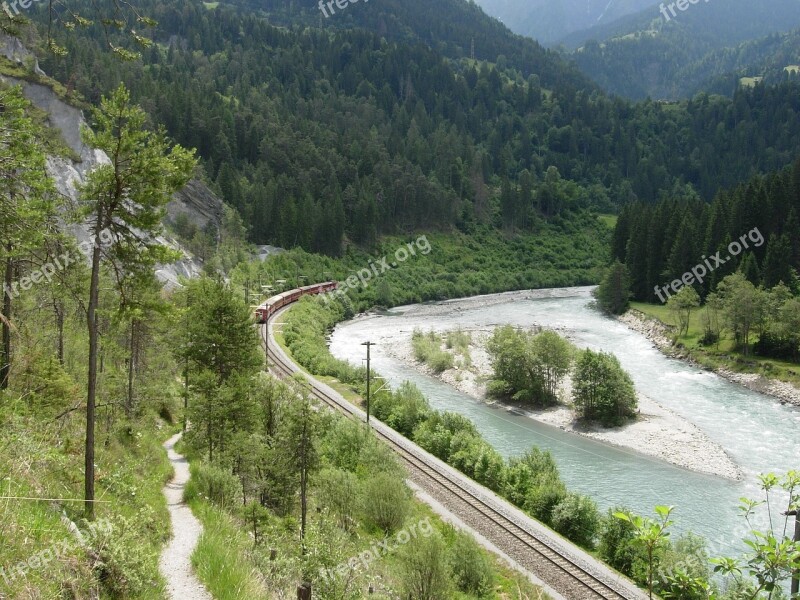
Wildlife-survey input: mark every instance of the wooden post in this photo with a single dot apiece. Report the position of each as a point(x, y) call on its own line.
point(796, 574)
point(304, 591)
point(368, 345)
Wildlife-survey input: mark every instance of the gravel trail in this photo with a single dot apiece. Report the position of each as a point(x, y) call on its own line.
point(176, 564)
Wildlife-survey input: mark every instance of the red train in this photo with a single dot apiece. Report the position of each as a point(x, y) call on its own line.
point(277, 302)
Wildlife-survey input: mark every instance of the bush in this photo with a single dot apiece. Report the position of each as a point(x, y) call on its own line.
point(576, 517)
point(428, 349)
point(424, 570)
point(213, 483)
point(616, 543)
point(471, 568)
point(123, 562)
point(340, 492)
point(543, 496)
point(386, 502)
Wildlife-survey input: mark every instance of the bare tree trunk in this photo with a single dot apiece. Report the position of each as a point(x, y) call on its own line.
point(91, 395)
point(58, 308)
point(5, 366)
point(131, 368)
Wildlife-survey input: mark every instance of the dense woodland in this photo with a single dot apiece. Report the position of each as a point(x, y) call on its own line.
point(660, 242)
point(316, 134)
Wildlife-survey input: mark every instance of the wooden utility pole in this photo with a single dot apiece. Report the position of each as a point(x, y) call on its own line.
point(368, 345)
point(266, 336)
point(796, 574)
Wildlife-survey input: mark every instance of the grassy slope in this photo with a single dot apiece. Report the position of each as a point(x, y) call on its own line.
point(42, 458)
point(724, 355)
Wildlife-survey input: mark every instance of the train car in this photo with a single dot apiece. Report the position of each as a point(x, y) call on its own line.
point(277, 302)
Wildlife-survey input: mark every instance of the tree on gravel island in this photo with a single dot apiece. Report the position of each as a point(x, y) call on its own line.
point(602, 390)
point(124, 202)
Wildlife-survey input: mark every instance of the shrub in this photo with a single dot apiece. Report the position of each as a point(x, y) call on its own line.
point(386, 502)
point(577, 518)
point(339, 491)
point(122, 560)
point(214, 483)
point(543, 496)
point(471, 568)
point(616, 542)
point(424, 570)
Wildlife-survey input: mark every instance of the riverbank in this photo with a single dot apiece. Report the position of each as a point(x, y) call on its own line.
point(658, 333)
point(658, 432)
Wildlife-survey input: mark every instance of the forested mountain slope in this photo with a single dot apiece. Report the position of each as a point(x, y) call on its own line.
point(550, 21)
point(661, 242)
point(454, 28)
point(648, 55)
point(314, 134)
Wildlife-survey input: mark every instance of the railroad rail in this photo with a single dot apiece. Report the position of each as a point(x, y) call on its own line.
point(560, 565)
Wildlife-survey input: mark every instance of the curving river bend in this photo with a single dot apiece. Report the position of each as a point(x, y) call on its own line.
point(757, 432)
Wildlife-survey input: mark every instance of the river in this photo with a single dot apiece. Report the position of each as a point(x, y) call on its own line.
point(757, 432)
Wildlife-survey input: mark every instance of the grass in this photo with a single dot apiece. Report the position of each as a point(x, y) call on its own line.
point(428, 349)
point(609, 221)
point(40, 458)
point(750, 81)
point(724, 355)
point(222, 558)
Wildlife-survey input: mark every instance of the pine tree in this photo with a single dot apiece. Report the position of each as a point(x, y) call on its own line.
point(26, 206)
point(778, 261)
point(124, 205)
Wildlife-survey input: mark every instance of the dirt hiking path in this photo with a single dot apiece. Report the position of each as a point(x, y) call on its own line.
point(176, 564)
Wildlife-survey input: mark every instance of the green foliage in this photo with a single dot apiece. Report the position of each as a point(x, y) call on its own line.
point(602, 390)
point(676, 240)
point(403, 409)
point(386, 501)
point(472, 571)
point(305, 330)
point(614, 291)
point(218, 336)
point(425, 570)
point(681, 306)
point(650, 534)
point(428, 349)
point(401, 140)
point(527, 366)
point(124, 565)
point(214, 484)
point(340, 492)
point(616, 545)
point(577, 518)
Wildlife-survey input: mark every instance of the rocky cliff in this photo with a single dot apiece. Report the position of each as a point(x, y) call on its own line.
point(195, 200)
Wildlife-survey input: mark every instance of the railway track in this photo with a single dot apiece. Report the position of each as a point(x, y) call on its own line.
point(561, 566)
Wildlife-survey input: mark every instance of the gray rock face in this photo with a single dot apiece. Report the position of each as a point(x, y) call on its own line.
point(195, 200)
point(13, 49)
point(198, 203)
